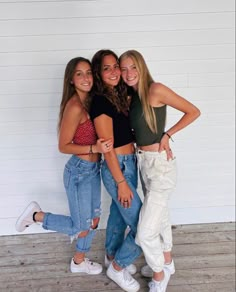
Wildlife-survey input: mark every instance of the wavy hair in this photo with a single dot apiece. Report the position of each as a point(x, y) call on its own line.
point(68, 87)
point(117, 95)
point(144, 83)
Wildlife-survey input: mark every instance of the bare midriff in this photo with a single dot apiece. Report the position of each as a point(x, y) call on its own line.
point(93, 157)
point(125, 149)
point(151, 148)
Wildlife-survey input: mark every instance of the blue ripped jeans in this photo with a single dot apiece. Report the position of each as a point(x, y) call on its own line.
point(125, 250)
point(82, 182)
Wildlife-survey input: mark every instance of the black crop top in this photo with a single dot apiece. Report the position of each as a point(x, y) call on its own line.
point(121, 128)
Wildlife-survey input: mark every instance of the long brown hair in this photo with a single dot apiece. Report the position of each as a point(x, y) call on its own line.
point(68, 86)
point(118, 95)
point(144, 83)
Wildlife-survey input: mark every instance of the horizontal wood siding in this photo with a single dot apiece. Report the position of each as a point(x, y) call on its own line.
point(188, 45)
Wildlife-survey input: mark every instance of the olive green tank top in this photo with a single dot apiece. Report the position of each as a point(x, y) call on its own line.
point(143, 135)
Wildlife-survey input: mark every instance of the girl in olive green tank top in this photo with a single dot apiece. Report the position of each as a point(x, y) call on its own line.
point(140, 126)
point(156, 163)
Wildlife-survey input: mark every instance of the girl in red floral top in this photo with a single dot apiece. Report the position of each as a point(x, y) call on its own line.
point(82, 181)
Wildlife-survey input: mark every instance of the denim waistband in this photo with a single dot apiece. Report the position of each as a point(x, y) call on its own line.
point(126, 157)
point(76, 161)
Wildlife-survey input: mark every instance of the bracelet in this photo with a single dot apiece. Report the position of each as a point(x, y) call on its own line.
point(166, 133)
point(119, 182)
point(91, 149)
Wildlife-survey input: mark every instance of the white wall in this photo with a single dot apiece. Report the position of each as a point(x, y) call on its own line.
point(189, 46)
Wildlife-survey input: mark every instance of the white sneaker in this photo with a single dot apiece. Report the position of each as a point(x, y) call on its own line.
point(161, 286)
point(146, 271)
point(86, 266)
point(26, 218)
point(131, 268)
point(123, 279)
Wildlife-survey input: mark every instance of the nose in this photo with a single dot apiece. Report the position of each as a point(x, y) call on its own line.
point(86, 77)
point(113, 70)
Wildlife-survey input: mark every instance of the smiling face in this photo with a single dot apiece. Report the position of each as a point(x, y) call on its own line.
point(82, 78)
point(110, 71)
point(129, 72)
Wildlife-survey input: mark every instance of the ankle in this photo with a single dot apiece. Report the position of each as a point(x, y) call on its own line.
point(110, 258)
point(158, 277)
point(78, 261)
point(38, 216)
point(116, 267)
point(78, 258)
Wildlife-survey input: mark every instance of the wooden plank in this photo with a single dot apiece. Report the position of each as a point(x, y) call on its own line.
point(128, 23)
point(179, 250)
point(158, 53)
point(187, 277)
point(213, 287)
point(134, 39)
point(181, 262)
point(213, 230)
point(208, 227)
point(70, 9)
point(40, 262)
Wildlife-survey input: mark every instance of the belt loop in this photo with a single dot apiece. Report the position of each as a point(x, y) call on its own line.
point(77, 162)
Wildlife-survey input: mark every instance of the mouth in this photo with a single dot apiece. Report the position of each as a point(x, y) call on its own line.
point(86, 84)
point(113, 78)
point(132, 78)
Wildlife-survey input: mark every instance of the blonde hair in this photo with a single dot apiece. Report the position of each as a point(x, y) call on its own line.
point(144, 83)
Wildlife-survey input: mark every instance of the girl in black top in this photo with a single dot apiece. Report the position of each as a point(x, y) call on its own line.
point(109, 110)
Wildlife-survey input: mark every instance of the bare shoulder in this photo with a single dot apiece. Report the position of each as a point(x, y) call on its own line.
point(156, 92)
point(73, 107)
point(158, 88)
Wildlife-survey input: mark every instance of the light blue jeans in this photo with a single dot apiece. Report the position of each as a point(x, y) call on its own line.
point(82, 182)
point(125, 250)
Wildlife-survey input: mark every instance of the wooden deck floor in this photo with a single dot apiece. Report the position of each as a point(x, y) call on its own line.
point(204, 257)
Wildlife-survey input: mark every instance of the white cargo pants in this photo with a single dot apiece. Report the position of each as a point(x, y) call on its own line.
point(154, 233)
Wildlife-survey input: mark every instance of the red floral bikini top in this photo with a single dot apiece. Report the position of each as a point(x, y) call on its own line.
point(85, 134)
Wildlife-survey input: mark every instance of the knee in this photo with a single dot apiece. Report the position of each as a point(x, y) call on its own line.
point(95, 223)
point(145, 235)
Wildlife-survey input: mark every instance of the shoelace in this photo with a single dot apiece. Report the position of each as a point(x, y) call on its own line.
point(88, 261)
point(127, 275)
point(152, 286)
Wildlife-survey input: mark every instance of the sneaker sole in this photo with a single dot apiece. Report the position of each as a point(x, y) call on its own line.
point(86, 273)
